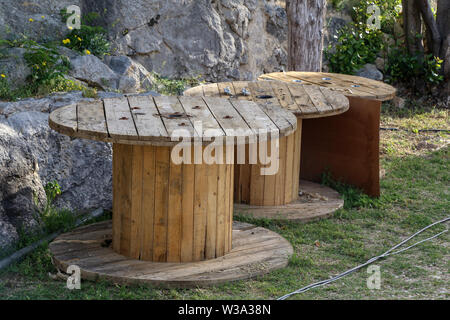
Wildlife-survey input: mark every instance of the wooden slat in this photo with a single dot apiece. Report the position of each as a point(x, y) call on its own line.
point(149, 126)
point(169, 106)
point(136, 201)
point(239, 87)
point(318, 99)
point(161, 204)
point(200, 211)
point(270, 181)
point(211, 219)
point(289, 165)
point(221, 211)
point(91, 119)
point(148, 202)
point(211, 90)
point(226, 89)
point(175, 211)
point(64, 120)
point(335, 100)
point(284, 97)
point(225, 114)
point(119, 119)
point(187, 223)
point(302, 99)
point(197, 107)
point(254, 116)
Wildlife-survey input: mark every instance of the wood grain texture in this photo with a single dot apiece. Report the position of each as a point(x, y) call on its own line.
point(346, 84)
point(256, 251)
point(165, 212)
point(161, 121)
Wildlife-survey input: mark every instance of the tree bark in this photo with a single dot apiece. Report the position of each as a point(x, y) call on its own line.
point(305, 34)
point(430, 22)
point(412, 26)
point(443, 24)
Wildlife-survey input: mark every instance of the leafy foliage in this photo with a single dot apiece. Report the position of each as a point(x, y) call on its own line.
point(168, 86)
point(389, 13)
point(355, 47)
point(404, 67)
point(89, 39)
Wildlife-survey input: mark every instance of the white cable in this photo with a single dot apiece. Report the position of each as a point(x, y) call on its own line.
point(387, 253)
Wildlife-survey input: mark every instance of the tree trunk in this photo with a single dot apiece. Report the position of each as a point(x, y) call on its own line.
point(443, 24)
point(305, 34)
point(430, 22)
point(412, 26)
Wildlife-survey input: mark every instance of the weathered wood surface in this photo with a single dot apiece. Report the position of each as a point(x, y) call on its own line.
point(255, 251)
point(348, 85)
point(165, 212)
point(309, 101)
point(315, 202)
point(145, 120)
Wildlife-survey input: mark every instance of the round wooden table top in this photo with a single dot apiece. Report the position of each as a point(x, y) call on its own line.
point(351, 86)
point(305, 101)
point(146, 120)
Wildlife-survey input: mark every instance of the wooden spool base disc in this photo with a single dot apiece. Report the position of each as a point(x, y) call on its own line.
point(256, 251)
point(315, 202)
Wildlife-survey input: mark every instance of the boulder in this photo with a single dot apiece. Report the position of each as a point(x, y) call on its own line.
point(380, 63)
point(370, 71)
point(92, 70)
point(132, 76)
point(20, 184)
point(14, 66)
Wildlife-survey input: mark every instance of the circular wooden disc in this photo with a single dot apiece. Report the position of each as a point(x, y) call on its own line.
point(305, 101)
point(162, 121)
point(256, 251)
point(315, 202)
point(348, 85)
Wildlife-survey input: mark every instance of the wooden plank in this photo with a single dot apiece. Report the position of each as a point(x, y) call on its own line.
point(270, 181)
point(149, 126)
point(211, 90)
point(211, 219)
point(318, 99)
point(187, 223)
point(64, 120)
point(173, 115)
point(118, 158)
point(285, 97)
point(255, 117)
point(148, 201)
point(289, 165)
point(226, 89)
point(226, 115)
point(161, 204)
point(136, 201)
point(285, 121)
point(338, 101)
point(174, 220)
point(297, 156)
point(91, 119)
point(200, 210)
point(239, 88)
point(197, 107)
point(302, 99)
point(119, 119)
point(221, 210)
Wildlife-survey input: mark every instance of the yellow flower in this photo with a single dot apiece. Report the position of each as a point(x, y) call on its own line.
point(66, 41)
point(79, 39)
point(2, 75)
point(31, 20)
point(43, 17)
point(44, 63)
point(70, 28)
point(87, 51)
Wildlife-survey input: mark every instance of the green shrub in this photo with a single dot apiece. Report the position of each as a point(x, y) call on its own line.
point(168, 86)
point(354, 48)
point(389, 13)
point(89, 39)
point(404, 67)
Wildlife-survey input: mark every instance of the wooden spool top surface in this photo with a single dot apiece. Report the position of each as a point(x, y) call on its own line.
point(351, 86)
point(146, 120)
point(305, 101)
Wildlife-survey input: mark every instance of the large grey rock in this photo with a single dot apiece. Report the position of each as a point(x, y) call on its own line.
point(14, 66)
point(47, 23)
point(132, 76)
point(19, 184)
point(227, 39)
point(370, 71)
point(92, 70)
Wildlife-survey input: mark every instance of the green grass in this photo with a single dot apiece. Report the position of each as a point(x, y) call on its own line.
point(415, 192)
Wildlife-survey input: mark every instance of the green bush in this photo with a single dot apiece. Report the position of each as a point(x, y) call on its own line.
point(389, 13)
point(404, 67)
point(354, 48)
point(89, 39)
